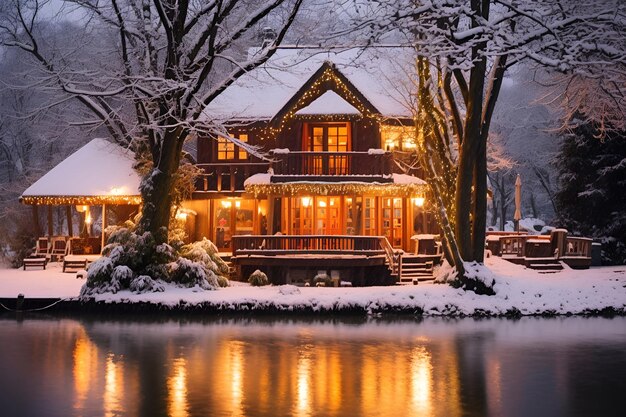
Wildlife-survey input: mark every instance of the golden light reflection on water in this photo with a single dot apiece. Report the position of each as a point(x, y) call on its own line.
point(300, 374)
point(113, 387)
point(237, 372)
point(303, 385)
point(84, 369)
point(177, 389)
point(421, 381)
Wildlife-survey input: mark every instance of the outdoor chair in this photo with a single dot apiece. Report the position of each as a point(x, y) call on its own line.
point(42, 248)
point(59, 249)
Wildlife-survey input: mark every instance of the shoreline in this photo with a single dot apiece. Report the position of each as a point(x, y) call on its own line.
point(76, 306)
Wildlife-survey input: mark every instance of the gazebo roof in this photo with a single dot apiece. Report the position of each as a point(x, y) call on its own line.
point(100, 172)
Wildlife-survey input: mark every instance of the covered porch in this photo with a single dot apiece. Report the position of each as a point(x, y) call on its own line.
point(74, 202)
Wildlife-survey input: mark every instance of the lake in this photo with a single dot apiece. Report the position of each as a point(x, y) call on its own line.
point(566, 366)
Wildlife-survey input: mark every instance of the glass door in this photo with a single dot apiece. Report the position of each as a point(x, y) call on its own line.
point(328, 215)
point(328, 137)
point(392, 221)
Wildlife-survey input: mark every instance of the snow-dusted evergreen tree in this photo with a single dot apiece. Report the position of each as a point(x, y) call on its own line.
point(592, 194)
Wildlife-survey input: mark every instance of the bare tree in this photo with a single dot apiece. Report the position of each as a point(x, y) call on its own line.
point(463, 51)
point(166, 61)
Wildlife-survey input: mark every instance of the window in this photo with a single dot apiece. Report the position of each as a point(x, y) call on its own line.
point(397, 138)
point(227, 150)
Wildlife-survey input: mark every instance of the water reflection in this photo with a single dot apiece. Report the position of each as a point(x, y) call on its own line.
point(177, 389)
point(333, 368)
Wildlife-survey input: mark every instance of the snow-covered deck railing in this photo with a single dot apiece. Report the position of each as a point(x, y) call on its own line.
point(299, 163)
point(272, 245)
point(575, 251)
point(227, 176)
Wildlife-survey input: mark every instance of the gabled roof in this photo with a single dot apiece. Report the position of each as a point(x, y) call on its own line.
point(99, 172)
point(378, 77)
point(329, 103)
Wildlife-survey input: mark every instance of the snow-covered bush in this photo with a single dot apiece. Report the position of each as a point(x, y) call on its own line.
point(143, 283)
point(258, 279)
point(134, 261)
point(189, 273)
point(206, 252)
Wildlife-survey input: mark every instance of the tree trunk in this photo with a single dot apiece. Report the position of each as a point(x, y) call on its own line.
point(157, 185)
point(479, 215)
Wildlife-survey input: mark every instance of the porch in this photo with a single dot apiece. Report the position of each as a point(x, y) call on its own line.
point(358, 260)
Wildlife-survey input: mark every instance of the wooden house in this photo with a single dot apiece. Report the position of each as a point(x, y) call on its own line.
point(313, 173)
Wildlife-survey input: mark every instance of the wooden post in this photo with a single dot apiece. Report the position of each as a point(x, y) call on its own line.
point(104, 225)
point(37, 228)
point(68, 215)
point(50, 232)
point(270, 214)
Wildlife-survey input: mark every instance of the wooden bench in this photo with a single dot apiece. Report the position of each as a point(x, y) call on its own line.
point(74, 264)
point(35, 263)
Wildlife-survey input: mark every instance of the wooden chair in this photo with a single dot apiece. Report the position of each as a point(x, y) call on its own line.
point(42, 248)
point(59, 249)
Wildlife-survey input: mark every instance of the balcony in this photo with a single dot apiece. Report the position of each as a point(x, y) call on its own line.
point(227, 177)
point(334, 166)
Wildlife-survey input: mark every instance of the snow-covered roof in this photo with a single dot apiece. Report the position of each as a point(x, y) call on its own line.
point(100, 170)
point(329, 103)
point(260, 94)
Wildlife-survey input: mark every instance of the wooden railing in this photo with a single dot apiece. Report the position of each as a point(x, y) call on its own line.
point(227, 176)
point(271, 245)
point(578, 246)
point(513, 245)
point(332, 163)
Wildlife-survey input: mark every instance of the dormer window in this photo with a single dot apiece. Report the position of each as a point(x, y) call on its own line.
point(227, 151)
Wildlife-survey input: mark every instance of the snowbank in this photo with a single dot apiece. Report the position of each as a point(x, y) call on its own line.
point(518, 291)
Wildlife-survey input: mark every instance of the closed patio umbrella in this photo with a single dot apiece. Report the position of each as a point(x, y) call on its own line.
point(518, 202)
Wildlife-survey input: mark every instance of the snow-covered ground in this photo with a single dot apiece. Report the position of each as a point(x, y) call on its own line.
point(517, 288)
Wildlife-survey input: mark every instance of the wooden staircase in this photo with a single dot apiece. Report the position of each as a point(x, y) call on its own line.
point(413, 270)
point(544, 265)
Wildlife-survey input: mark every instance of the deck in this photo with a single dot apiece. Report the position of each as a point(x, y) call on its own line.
point(360, 260)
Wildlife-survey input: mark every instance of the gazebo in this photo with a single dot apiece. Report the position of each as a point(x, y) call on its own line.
point(98, 174)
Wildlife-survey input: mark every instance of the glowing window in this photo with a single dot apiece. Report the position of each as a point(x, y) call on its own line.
point(397, 137)
point(226, 150)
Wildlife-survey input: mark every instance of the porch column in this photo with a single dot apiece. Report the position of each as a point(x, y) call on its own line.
point(68, 216)
point(270, 214)
point(104, 224)
point(50, 232)
point(36, 226)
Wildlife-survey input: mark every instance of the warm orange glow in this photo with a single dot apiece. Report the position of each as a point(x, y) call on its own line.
point(303, 388)
point(306, 201)
point(237, 203)
point(226, 203)
point(418, 201)
point(113, 387)
point(85, 364)
point(177, 389)
point(421, 381)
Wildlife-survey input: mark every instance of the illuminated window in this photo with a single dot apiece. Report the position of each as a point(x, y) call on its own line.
point(226, 150)
point(242, 153)
point(397, 137)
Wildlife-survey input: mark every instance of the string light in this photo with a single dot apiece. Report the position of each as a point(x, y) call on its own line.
point(74, 200)
point(339, 188)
